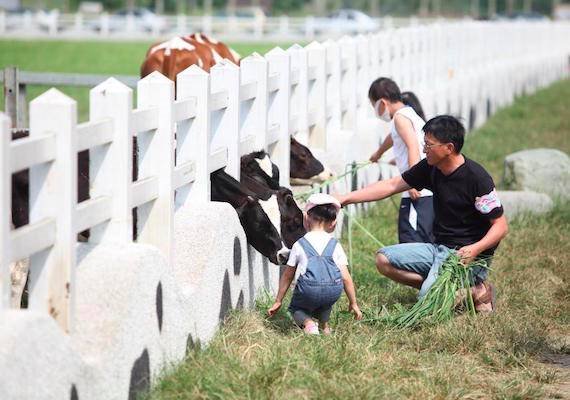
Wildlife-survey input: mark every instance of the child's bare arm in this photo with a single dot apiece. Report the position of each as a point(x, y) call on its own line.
point(350, 292)
point(284, 284)
point(386, 144)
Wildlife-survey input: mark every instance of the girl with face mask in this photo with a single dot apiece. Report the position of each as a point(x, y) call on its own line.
point(406, 137)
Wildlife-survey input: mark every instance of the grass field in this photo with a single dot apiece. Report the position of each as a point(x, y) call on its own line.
point(509, 355)
point(107, 58)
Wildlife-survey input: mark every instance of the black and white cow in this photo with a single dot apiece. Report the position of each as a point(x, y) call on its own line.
point(260, 177)
point(260, 231)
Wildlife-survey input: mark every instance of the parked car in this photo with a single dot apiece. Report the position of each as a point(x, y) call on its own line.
point(346, 20)
point(143, 20)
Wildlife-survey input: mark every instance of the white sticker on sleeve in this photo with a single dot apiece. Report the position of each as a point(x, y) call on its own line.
point(487, 203)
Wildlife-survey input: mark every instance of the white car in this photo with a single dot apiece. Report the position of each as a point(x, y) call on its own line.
point(346, 21)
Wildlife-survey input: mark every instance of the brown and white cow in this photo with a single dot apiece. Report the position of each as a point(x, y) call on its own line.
point(175, 55)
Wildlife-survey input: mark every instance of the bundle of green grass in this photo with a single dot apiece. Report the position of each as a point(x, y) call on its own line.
point(449, 294)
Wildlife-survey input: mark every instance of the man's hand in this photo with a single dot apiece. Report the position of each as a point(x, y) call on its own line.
point(414, 194)
point(340, 197)
point(354, 309)
point(468, 253)
point(274, 308)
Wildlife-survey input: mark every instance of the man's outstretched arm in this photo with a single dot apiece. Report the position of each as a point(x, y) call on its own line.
point(376, 191)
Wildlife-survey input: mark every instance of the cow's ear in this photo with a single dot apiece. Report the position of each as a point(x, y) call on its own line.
point(288, 196)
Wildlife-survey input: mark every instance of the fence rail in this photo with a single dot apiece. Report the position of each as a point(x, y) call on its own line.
point(284, 28)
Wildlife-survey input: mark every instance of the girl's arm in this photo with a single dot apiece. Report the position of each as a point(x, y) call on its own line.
point(386, 144)
point(350, 292)
point(284, 284)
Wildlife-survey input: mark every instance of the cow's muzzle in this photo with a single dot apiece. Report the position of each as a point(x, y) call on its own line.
point(283, 256)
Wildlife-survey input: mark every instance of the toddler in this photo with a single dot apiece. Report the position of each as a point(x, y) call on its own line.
point(320, 265)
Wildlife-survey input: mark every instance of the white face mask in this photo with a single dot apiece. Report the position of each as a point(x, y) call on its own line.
point(385, 115)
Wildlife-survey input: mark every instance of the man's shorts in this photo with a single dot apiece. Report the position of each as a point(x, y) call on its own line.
point(425, 259)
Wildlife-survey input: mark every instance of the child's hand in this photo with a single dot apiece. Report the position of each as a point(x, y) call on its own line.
point(353, 308)
point(274, 308)
point(375, 156)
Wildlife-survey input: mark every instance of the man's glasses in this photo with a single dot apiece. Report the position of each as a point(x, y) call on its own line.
point(428, 146)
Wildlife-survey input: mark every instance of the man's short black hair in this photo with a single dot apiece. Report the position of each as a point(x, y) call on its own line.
point(384, 88)
point(323, 213)
point(446, 129)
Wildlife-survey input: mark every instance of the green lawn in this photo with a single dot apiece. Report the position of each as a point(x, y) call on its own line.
point(107, 58)
point(487, 357)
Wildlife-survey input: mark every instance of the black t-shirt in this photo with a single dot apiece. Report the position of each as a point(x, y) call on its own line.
point(464, 202)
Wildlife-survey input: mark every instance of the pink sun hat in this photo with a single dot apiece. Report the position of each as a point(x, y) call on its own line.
point(318, 199)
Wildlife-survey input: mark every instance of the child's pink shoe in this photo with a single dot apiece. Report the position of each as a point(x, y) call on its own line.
point(311, 329)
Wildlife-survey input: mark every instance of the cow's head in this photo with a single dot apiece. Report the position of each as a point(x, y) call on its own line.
point(260, 231)
point(304, 167)
point(292, 228)
point(258, 167)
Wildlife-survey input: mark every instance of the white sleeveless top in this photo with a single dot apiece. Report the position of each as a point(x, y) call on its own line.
point(400, 149)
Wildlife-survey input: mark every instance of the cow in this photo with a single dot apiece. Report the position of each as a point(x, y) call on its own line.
point(260, 177)
point(178, 53)
point(175, 55)
point(305, 169)
point(259, 230)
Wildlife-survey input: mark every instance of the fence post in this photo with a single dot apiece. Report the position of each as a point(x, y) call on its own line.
point(284, 25)
point(207, 24)
point(193, 137)
point(104, 24)
point(156, 152)
point(53, 22)
point(5, 209)
point(317, 95)
point(348, 82)
point(259, 22)
point(278, 138)
point(298, 102)
point(181, 24)
point(53, 194)
point(309, 27)
point(78, 22)
point(374, 49)
point(224, 76)
point(11, 89)
point(111, 165)
point(253, 114)
point(362, 77)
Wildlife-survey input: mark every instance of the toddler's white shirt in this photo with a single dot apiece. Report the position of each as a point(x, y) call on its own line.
point(319, 240)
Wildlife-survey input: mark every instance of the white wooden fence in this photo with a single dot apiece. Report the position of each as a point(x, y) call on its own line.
point(283, 28)
point(315, 92)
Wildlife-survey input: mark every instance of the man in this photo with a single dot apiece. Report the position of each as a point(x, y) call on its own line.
point(468, 213)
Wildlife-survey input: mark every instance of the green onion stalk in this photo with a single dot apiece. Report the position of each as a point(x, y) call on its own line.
point(441, 301)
